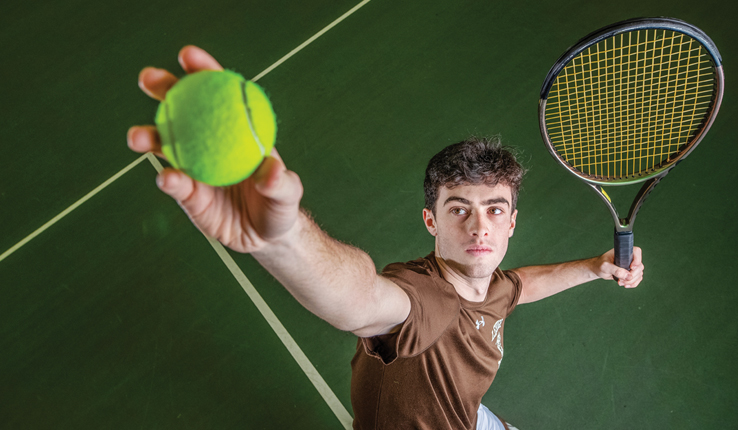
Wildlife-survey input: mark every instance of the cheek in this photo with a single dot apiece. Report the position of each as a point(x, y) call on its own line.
point(449, 238)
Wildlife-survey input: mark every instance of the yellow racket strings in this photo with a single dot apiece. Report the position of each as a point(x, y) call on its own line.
point(623, 107)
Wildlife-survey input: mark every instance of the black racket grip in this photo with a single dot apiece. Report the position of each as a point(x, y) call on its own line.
point(623, 249)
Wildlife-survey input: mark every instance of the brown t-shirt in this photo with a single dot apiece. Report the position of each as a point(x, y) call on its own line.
point(433, 373)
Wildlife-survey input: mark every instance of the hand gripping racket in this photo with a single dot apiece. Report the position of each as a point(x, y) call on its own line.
point(626, 104)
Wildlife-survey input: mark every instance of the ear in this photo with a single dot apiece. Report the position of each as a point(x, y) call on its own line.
point(512, 223)
point(430, 222)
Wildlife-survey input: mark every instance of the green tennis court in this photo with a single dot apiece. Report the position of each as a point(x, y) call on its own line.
point(115, 312)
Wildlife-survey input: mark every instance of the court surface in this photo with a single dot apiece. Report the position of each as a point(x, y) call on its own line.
point(115, 312)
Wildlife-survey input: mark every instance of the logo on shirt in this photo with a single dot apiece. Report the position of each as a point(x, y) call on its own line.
point(480, 323)
point(496, 335)
point(497, 339)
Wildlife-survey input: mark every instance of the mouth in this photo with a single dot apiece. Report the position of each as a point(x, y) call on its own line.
point(479, 250)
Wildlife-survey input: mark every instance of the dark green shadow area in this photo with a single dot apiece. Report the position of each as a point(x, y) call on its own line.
point(122, 316)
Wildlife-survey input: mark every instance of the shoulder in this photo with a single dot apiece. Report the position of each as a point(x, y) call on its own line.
point(420, 277)
point(509, 276)
point(508, 287)
point(434, 304)
point(422, 270)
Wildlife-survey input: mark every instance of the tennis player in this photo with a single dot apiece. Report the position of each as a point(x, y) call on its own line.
point(430, 330)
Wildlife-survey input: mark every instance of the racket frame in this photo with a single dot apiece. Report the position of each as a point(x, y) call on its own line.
point(623, 236)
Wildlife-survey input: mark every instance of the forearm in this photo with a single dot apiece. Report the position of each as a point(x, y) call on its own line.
point(543, 281)
point(333, 280)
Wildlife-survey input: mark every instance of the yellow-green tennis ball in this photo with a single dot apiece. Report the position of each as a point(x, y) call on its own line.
point(216, 127)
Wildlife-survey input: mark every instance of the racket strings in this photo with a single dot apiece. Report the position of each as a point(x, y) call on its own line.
point(626, 105)
point(677, 86)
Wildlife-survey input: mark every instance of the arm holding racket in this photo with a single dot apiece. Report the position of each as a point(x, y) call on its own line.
point(543, 281)
point(262, 216)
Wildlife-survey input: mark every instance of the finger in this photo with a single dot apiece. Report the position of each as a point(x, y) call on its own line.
point(275, 154)
point(612, 271)
point(637, 258)
point(619, 274)
point(144, 138)
point(194, 197)
point(635, 279)
point(156, 82)
point(273, 180)
point(194, 59)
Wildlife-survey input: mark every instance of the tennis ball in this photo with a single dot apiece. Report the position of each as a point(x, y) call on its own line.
point(216, 127)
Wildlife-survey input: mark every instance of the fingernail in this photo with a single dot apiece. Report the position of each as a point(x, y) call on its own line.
point(129, 136)
point(160, 182)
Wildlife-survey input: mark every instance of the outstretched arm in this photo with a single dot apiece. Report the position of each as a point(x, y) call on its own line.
point(542, 281)
point(262, 216)
point(335, 281)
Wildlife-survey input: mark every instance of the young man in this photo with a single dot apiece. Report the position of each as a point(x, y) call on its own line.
point(430, 330)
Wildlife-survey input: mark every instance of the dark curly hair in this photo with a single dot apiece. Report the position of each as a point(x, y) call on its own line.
point(471, 162)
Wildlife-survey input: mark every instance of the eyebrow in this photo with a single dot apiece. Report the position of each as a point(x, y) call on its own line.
point(488, 202)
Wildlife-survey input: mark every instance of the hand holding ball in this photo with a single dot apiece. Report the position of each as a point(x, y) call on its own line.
point(216, 127)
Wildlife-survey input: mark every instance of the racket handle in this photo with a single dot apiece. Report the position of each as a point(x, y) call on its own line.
point(623, 249)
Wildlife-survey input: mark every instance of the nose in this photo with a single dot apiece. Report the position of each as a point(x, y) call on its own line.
point(479, 225)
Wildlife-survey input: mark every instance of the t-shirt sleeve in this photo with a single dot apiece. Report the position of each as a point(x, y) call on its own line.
point(517, 289)
point(433, 307)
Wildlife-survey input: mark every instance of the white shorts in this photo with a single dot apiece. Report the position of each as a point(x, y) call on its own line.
point(486, 420)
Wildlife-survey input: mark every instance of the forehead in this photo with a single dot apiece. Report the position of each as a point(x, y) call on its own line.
point(476, 193)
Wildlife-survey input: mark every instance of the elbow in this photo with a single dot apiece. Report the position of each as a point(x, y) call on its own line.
point(366, 332)
point(364, 326)
point(347, 326)
point(350, 319)
point(356, 323)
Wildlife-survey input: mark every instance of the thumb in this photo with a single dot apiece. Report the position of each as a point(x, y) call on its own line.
point(617, 273)
point(621, 274)
point(609, 270)
point(274, 181)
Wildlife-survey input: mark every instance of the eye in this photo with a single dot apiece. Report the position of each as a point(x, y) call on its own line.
point(495, 211)
point(458, 211)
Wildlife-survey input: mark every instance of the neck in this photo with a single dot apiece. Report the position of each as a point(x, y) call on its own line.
point(471, 289)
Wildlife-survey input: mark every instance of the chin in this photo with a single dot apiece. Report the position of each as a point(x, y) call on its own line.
point(480, 269)
point(471, 266)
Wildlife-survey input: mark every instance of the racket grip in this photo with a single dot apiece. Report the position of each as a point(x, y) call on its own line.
point(623, 249)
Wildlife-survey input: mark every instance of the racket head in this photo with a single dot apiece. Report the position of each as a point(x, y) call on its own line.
point(630, 100)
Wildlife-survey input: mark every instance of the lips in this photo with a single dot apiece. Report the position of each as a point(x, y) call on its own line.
point(478, 250)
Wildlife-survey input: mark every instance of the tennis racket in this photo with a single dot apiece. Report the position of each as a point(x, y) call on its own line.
point(626, 104)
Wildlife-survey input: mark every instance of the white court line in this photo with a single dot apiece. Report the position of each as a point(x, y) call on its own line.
point(309, 41)
point(74, 206)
